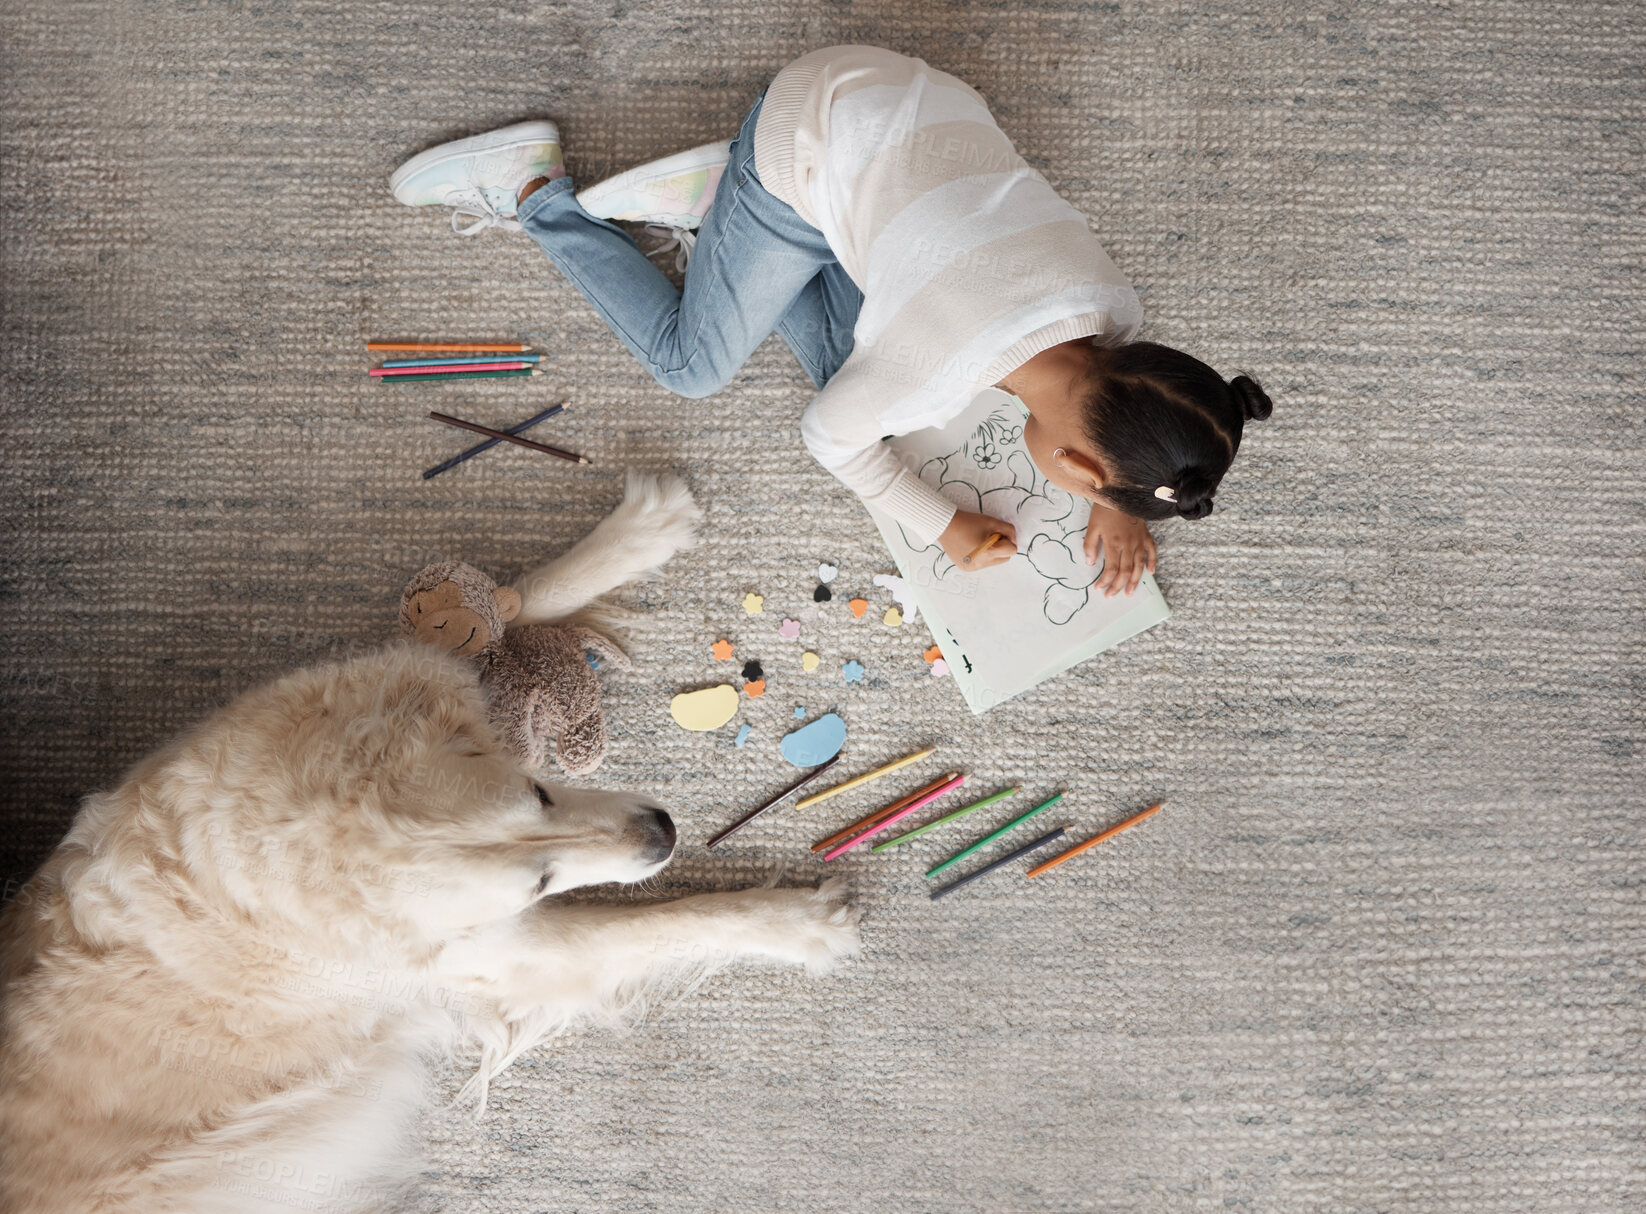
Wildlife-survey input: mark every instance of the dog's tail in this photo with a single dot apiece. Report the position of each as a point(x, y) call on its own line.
point(656, 518)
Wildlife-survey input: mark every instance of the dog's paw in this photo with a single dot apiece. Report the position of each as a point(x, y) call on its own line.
point(658, 511)
point(820, 926)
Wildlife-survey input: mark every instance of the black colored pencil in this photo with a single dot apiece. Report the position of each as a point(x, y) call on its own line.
point(492, 442)
point(505, 436)
point(1006, 859)
point(787, 792)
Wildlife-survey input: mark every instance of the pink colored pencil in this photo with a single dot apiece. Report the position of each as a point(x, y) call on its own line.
point(897, 817)
point(446, 370)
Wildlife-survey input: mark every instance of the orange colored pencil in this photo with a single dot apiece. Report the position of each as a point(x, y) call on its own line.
point(877, 815)
point(1094, 840)
point(449, 347)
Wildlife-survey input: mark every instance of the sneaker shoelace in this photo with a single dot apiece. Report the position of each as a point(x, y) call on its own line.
point(683, 240)
point(473, 204)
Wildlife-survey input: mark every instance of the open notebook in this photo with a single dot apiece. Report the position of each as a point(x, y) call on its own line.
point(1008, 628)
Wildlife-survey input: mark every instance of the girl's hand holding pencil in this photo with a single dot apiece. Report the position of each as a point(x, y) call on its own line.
point(976, 541)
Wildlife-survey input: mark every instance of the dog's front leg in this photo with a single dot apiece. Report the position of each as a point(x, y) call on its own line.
point(574, 955)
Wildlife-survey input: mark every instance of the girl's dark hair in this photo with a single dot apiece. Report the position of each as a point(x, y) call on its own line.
point(1158, 416)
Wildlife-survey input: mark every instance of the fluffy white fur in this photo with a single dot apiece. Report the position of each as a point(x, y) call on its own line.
point(222, 990)
point(655, 519)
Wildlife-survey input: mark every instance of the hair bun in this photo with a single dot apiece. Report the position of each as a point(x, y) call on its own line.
point(1254, 402)
point(1194, 493)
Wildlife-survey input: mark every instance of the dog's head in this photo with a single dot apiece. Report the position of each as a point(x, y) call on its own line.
point(391, 796)
point(497, 841)
point(477, 838)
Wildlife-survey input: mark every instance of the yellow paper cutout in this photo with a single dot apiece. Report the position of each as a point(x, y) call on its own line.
point(701, 711)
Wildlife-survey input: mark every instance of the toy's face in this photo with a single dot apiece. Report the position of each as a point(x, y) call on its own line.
point(440, 617)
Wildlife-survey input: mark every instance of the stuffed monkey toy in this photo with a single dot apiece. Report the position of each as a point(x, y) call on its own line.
point(540, 683)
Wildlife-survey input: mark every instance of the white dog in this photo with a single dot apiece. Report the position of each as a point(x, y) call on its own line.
point(221, 992)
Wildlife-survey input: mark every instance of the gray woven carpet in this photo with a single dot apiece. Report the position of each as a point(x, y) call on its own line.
point(1383, 951)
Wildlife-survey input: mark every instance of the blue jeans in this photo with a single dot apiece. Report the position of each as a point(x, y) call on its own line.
point(757, 267)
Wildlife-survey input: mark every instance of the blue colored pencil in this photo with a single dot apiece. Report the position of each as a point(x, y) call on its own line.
point(1006, 859)
point(467, 360)
point(492, 442)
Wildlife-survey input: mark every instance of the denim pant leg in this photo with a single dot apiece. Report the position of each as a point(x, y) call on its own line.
point(753, 256)
point(819, 324)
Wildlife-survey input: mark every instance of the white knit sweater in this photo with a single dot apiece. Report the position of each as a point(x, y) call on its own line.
point(968, 260)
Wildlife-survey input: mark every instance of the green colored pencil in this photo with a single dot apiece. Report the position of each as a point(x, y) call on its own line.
point(448, 376)
point(990, 838)
point(959, 813)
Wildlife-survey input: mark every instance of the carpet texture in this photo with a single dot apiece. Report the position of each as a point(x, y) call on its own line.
point(1382, 951)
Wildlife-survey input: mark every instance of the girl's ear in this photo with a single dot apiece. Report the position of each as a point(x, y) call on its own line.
point(1081, 466)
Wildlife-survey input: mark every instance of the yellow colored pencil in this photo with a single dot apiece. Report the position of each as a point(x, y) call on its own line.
point(994, 538)
point(865, 778)
point(1094, 840)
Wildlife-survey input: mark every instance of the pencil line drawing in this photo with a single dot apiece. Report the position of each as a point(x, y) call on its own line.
point(990, 473)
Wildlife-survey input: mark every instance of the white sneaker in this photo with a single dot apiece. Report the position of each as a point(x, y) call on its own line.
point(675, 191)
point(479, 177)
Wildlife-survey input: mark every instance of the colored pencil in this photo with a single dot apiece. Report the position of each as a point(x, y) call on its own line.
point(1004, 860)
point(994, 538)
point(789, 791)
point(506, 437)
point(1094, 840)
point(492, 442)
point(449, 376)
point(993, 835)
point(452, 369)
point(450, 347)
point(959, 813)
point(840, 849)
point(884, 812)
point(865, 778)
point(458, 360)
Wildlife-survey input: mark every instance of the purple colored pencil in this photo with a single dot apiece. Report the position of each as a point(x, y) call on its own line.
point(1006, 859)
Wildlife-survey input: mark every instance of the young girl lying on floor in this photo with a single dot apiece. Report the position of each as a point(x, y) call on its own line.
point(872, 213)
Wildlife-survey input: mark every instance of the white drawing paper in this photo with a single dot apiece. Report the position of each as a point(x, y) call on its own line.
point(1010, 627)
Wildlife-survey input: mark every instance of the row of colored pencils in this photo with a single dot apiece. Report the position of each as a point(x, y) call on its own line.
point(864, 829)
point(861, 831)
point(445, 361)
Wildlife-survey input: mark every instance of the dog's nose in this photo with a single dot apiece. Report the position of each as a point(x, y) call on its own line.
point(661, 845)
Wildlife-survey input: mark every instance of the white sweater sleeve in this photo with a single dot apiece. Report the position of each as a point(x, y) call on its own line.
point(843, 432)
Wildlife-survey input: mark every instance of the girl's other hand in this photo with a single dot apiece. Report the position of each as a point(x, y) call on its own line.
point(966, 531)
point(1128, 549)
